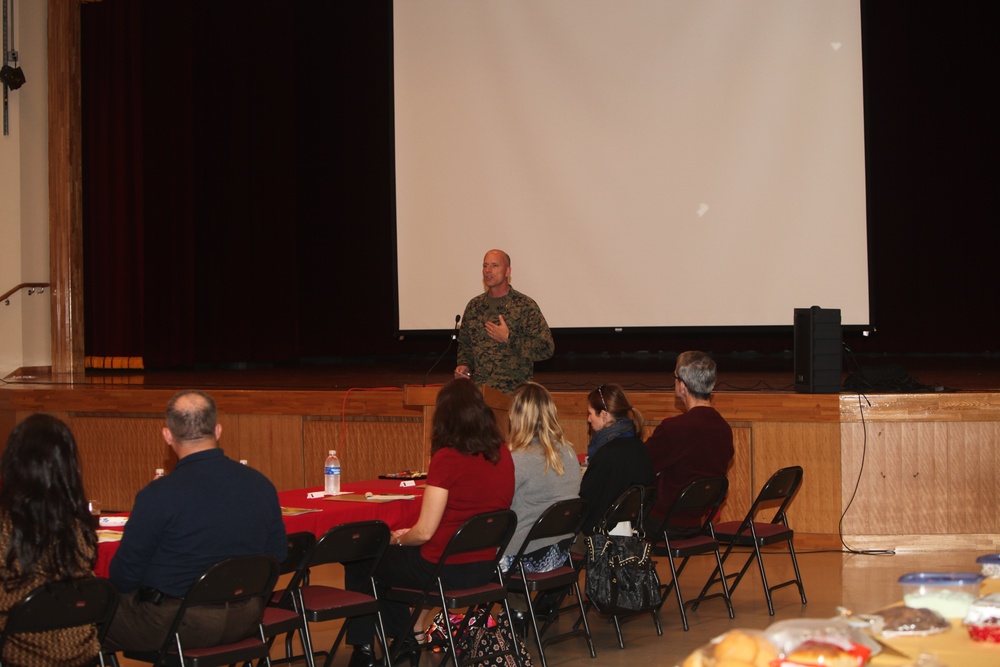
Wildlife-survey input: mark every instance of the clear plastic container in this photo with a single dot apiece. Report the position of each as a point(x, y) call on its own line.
point(948, 593)
point(990, 564)
point(983, 619)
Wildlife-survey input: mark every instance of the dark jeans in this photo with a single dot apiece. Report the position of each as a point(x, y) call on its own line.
point(143, 626)
point(403, 567)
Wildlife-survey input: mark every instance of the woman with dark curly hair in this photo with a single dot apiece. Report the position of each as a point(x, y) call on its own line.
point(46, 534)
point(471, 472)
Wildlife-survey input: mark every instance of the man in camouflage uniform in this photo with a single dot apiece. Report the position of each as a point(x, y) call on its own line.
point(503, 332)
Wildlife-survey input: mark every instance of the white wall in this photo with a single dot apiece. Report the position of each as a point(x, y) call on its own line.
point(24, 210)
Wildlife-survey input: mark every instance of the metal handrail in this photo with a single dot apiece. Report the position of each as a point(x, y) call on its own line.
point(31, 287)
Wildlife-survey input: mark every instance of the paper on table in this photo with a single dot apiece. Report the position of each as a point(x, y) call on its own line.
point(113, 520)
point(371, 497)
point(109, 536)
point(389, 496)
point(295, 511)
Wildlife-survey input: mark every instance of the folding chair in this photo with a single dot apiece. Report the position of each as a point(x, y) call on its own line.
point(281, 615)
point(489, 530)
point(702, 496)
point(752, 533)
point(230, 581)
point(60, 605)
point(563, 518)
point(348, 542)
point(629, 507)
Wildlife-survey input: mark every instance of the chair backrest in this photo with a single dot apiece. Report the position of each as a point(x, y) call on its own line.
point(489, 530)
point(234, 580)
point(702, 495)
point(563, 517)
point(780, 488)
point(299, 545)
point(628, 507)
point(355, 541)
point(62, 604)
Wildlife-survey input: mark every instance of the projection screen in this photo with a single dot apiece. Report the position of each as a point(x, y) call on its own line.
point(646, 163)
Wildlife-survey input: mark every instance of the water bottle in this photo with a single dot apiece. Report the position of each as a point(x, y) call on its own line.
point(158, 474)
point(331, 474)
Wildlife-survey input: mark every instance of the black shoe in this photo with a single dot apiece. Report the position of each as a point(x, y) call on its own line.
point(411, 650)
point(519, 622)
point(362, 656)
point(547, 604)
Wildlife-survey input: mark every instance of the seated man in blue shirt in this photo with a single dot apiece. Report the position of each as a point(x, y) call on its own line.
point(208, 509)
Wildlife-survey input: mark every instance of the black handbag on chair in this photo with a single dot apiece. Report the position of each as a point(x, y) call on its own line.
point(621, 574)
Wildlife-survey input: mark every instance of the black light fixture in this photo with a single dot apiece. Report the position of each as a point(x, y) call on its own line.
point(12, 77)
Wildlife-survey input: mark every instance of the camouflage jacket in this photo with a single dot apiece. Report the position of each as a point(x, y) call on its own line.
point(503, 366)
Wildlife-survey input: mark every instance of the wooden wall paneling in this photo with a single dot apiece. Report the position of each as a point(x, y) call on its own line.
point(741, 489)
point(576, 432)
point(922, 478)
point(815, 447)
point(8, 420)
point(972, 503)
point(271, 444)
point(945, 407)
point(862, 476)
point(373, 447)
point(119, 456)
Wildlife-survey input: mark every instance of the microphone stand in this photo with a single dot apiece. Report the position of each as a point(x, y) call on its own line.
point(454, 336)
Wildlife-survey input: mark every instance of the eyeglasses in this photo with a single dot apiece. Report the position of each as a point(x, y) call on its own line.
point(601, 394)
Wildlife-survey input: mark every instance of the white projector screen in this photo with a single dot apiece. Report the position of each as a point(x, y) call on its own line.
point(646, 163)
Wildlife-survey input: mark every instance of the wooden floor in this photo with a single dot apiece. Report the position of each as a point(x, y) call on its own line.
point(862, 583)
point(643, 372)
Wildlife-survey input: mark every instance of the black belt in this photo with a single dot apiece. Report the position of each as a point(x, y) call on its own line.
point(154, 595)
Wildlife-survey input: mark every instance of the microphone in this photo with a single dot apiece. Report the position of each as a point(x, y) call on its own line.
point(454, 336)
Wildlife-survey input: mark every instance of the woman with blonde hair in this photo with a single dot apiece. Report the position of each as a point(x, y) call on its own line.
point(546, 470)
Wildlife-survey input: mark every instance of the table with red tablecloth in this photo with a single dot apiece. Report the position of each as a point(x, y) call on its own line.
point(326, 512)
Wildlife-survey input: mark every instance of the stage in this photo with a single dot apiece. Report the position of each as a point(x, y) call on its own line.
point(740, 372)
point(904, 470)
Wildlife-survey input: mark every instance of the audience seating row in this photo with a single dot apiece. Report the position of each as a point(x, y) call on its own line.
point(292, 609)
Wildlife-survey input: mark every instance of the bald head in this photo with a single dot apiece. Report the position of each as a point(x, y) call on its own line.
point(191, 418)
point(496, 272)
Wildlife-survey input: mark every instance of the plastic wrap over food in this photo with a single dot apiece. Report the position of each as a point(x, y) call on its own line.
point(793, 643)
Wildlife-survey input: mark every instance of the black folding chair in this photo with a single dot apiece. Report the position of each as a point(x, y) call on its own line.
point(752, 533)
point(59, 605)
point(702, 497)
point(629, 506)
point(231, 581)
point(489, 530)
point(562, 519)
point(349, 542)
point(281, 615)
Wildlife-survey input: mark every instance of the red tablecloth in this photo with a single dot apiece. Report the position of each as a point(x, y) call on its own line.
point(396, 513)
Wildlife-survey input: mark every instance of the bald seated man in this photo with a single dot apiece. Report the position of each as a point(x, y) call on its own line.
point(207, 509)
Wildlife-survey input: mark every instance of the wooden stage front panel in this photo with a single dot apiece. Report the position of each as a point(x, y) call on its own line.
point(927, 462)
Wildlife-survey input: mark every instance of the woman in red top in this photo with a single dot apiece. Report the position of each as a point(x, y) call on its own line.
point(471, 472)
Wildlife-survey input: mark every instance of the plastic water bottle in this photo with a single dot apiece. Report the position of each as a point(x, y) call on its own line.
point(158, 474)
point(331, 474)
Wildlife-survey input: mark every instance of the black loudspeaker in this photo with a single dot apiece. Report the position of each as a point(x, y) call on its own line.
point(818, 359)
